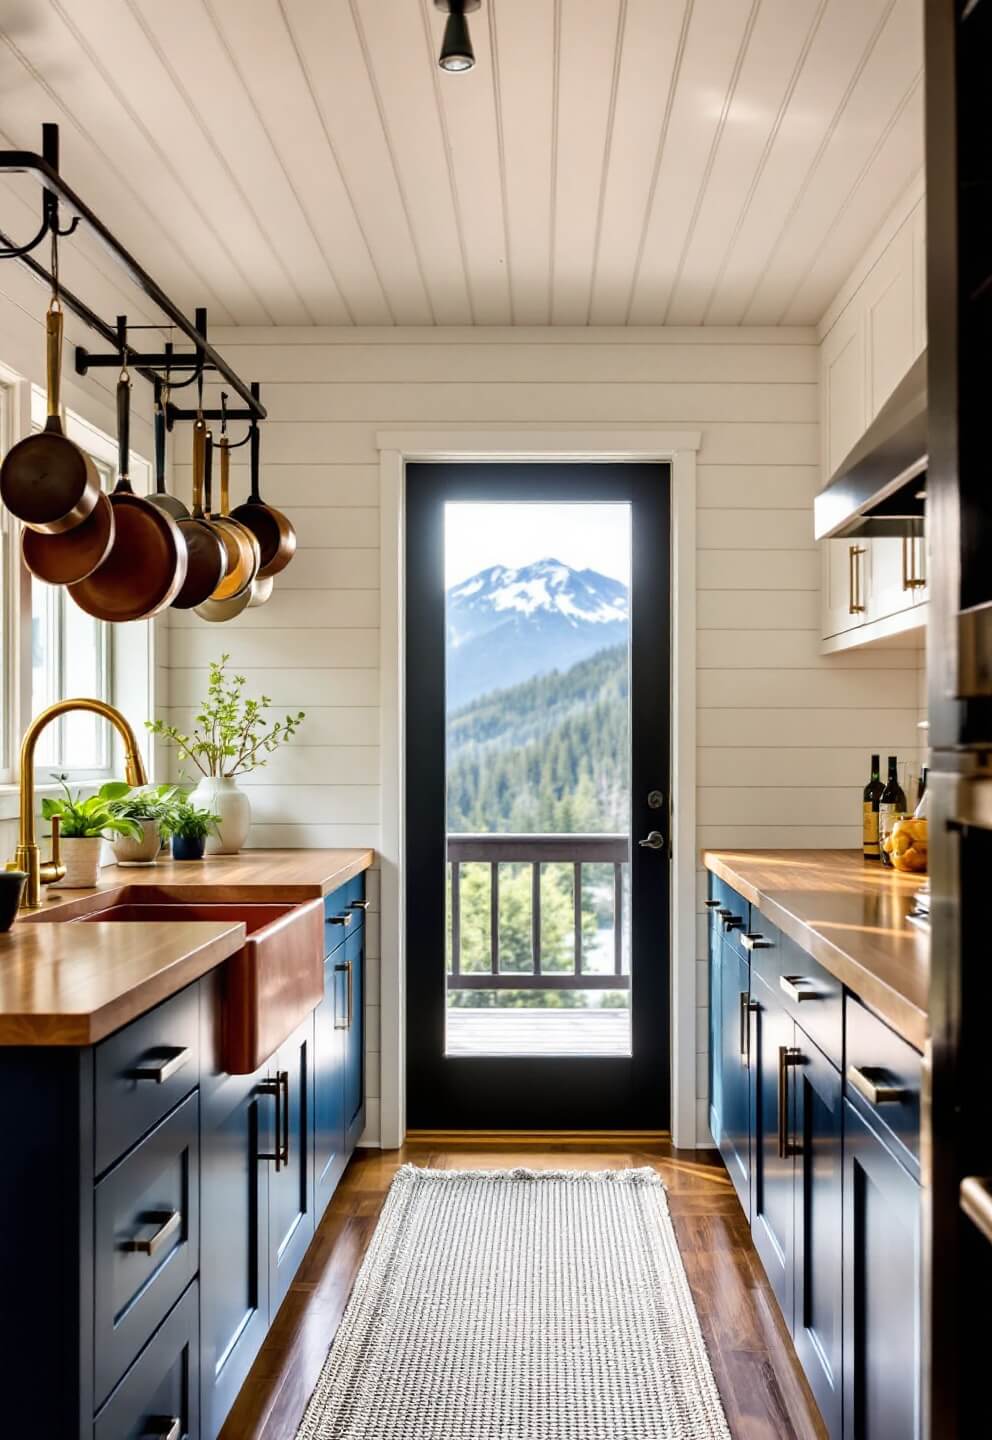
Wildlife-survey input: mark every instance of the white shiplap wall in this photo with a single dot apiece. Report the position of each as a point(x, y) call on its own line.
point(783, 733)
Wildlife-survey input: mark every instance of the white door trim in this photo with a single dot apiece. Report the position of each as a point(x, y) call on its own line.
point(678, 447)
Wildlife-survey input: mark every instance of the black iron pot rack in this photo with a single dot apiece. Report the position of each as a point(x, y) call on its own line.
point(154, 367)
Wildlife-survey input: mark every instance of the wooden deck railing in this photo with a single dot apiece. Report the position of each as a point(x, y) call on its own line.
point(535, 851)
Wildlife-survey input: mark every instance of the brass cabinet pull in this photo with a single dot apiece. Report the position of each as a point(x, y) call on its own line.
point(345, 919)
point(161, 1069)
point(162, 1427)
point(790, 984)
point(752, 941)
point(360, 904)
point(874, 1090)
point(346, 968)
point(855, 601)
point(975, 1198)
point(787, 1055)
point(278, 1086)
point(166, 1223)
point(911, 577)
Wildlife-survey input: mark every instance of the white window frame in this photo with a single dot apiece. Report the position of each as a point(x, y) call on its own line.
point(129, 657)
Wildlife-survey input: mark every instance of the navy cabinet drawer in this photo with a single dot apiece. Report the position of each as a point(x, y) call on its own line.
point(160, 1394)
point(344, 912)
point(146, 1241)
point(729, 912)
point(143, 1071)
point(882, 1078)
point(808, 993)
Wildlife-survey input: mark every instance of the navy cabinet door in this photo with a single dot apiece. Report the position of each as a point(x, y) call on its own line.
point(330, 1156)
point(291, 1222)
point(881, 1289)
point(772, 1219)
point(735, 1080)
point(353, 1017)
point(817, 1102)
point(716, 1033)
point(236, 1126)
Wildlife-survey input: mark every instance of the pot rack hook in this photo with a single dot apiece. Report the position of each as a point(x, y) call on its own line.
point(122, 347)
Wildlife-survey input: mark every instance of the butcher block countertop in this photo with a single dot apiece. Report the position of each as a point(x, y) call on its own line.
point(65, 984)
point(850, 915)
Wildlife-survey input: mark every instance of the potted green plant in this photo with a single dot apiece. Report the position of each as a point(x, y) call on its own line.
point(150, 807)
point(233, 736)
point(190, 827)
point(84, 826)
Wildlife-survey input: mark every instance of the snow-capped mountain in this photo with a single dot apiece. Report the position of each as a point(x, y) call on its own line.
point(506, 625)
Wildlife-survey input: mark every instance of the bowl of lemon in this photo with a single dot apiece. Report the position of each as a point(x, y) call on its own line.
point(906, 845)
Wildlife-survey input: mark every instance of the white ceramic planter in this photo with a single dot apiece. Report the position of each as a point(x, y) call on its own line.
point(223, 797)
point(81, 857)
point(138, 852)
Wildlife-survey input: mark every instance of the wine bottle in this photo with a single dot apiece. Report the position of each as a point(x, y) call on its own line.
point(872, 797)
point(891, 807)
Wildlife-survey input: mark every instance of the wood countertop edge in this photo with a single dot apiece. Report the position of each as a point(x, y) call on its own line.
point(895, 1009)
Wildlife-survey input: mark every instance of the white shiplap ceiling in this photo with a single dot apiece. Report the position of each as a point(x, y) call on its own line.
point(607, 162)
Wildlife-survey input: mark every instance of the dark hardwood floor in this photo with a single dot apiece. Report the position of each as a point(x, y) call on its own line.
point(764, 1392)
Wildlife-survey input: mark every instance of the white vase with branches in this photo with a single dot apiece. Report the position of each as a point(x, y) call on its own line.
point(232, 737)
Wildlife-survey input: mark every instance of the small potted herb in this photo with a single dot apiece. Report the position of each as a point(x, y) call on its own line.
point(85, 824)
point(190, 826)
point(232, 736)
point(150, 808)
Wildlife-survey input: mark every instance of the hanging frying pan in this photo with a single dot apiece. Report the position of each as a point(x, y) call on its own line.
point(68, 558)
point(226, 601)
point(171, 504)
point(146, 565)
point(46, 480)
point(206, 552)
point(274, 533)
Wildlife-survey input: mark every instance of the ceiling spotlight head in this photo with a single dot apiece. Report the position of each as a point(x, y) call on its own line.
point(456, 47)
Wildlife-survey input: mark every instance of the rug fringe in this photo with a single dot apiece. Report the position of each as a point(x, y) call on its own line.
point(638, 1175)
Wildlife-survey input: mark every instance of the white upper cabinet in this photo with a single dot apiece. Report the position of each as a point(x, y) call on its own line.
point(842, 371)
point(872, 586)
point(889, 320)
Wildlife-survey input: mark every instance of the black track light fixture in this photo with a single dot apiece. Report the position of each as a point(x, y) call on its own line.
point(456, 47)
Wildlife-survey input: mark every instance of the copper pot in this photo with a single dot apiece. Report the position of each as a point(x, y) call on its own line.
point(274, 532)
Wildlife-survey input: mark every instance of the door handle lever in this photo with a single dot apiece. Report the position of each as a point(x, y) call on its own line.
point(654, 840)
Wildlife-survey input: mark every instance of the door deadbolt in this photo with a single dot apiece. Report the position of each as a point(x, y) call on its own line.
point(656, 800)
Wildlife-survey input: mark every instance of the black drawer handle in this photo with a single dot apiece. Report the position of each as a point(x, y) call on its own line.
point(278, 1085)
point(162, 1427)
point(874, 1090)
point(790, 984)
point(345, 919)
point(166, 1223)
point(360, 904)
point(712, 904)
point(787, 1055)
point(731, 922)
point(756, 942)
point(163, 1068)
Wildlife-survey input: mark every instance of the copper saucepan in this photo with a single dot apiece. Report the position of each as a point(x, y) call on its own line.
point(46, 480)
point(227, 601)
point(275, 534)
point(207, 562)
point(146, 565)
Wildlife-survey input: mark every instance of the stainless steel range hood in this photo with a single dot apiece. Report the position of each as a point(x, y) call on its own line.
point(880, 488)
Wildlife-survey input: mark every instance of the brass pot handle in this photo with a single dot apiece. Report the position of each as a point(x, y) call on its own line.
point(54, 323)
point(225, 476)
point(199, 459)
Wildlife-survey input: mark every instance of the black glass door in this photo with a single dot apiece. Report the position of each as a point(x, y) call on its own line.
point(537, 784)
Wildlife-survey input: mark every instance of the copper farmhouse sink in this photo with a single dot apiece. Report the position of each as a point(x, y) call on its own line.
point(270, 985)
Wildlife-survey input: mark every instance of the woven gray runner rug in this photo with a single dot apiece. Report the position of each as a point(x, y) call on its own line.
point(519, 1305)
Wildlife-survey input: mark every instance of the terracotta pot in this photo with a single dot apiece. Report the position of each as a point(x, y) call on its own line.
point(138, 852)
point(221, 796)
point(81, 856)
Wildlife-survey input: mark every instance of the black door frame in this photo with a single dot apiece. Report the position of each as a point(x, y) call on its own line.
point(540, 1092)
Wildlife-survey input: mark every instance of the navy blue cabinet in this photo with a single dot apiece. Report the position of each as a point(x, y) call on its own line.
point(735, 1072)
point(881, 1288)
point(772, 1204)
point(291, 1220)
point(818, 1124)
point(330, 1155)
point(813, 1091)
point(353, 1012)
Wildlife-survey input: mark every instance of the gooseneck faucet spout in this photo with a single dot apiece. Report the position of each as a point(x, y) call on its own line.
point(28, 856)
